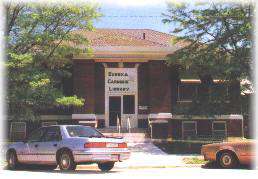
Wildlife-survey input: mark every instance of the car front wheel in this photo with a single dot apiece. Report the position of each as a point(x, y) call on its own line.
point(66, 161)
point(106, 166)
point(227, 160)
point(12, 161)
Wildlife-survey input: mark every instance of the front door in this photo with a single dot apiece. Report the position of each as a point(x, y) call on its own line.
point(129, 119)
point(49, 145)
point(114, 110)
point(29, 152)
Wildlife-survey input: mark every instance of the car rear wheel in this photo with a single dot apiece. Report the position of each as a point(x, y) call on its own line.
point(106, 166)
point(227, 160)
point(66, 161)
point(12, 161)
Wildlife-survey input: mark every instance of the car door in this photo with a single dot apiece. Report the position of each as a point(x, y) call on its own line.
point(49, 145)
point(29, 154)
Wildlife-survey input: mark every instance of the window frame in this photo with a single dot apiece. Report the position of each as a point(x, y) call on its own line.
point(225, 124)
point(196, 90)
point(183, 131)
point(46, 131)
point(40, 140)
point(179, 99)
point(11, 129)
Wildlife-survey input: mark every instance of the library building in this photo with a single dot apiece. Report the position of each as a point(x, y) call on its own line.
point(127, 84)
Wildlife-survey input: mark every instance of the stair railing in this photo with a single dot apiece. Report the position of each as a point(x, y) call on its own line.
point(128, 124)
point(118, 124)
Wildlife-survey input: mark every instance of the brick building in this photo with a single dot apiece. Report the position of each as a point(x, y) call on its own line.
point(127, 79)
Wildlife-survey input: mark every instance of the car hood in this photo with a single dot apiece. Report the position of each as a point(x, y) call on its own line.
point(232, 143)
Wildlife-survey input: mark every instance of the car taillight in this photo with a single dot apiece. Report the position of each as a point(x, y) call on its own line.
point(122, 145)
point(95, 145)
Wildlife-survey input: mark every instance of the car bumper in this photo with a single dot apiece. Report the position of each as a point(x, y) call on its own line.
point(101, 155)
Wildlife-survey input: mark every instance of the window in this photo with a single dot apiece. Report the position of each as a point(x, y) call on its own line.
point(219, 129)
point(52, 134)
point(45, 124)
point(82, 131)
point(128, 104)
point(36, 135)
point(186, 92)
point(18, 130)
point(189, 130)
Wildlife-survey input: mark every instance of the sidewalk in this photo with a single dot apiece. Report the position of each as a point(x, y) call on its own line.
point(147, 155)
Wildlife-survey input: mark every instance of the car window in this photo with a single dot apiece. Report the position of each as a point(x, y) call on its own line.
point(36, 135)
point(83, 131)
point(52, 134)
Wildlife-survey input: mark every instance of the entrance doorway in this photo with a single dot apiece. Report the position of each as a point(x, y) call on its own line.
point(121, 108)
point(114, 110)
point(121, 97)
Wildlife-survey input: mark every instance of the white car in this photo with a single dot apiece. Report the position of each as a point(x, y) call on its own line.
point(67, 146)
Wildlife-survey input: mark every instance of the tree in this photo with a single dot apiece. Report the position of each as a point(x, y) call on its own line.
point(218, 43)
point(40, 42)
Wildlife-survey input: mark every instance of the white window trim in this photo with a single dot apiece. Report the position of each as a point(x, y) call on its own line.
point(11, 128)
point(195, 124)
point(52, 123)
point(224, 122)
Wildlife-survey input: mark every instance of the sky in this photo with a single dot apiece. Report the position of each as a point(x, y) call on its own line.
point(128, 14)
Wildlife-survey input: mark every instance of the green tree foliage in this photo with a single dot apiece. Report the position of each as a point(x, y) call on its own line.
point(219, 37)
point(40, 43)
point(217, 42)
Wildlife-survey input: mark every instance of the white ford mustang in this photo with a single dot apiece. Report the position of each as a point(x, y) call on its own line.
point(67, 146)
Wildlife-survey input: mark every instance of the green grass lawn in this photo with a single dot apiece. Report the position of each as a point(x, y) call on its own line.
point(194, 160)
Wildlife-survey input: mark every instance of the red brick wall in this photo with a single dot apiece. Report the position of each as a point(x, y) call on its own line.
point(234, 128)
point(84, 84)
point(204, 127)
point(99, 89)
point(143, 87)
point(176, 129)
point(159, 87)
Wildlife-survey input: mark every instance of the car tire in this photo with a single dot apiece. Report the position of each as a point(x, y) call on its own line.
point(12, 160)
point(106, 166)
point(66, 161)
point(227, 160)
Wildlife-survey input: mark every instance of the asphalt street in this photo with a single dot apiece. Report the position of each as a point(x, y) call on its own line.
point(93, 172)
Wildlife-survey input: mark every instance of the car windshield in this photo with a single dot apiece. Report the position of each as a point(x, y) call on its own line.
point(83, 131)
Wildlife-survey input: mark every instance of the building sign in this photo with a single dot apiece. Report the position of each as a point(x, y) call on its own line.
point(143, 107)
point(120, 80)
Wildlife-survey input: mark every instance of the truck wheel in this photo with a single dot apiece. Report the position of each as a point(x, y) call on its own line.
point(12, 161)
point(66, 161)
point(227, 160)
point(106, 166)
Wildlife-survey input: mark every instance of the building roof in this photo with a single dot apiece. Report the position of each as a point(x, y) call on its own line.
point(130, 43)
point(128, 37)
